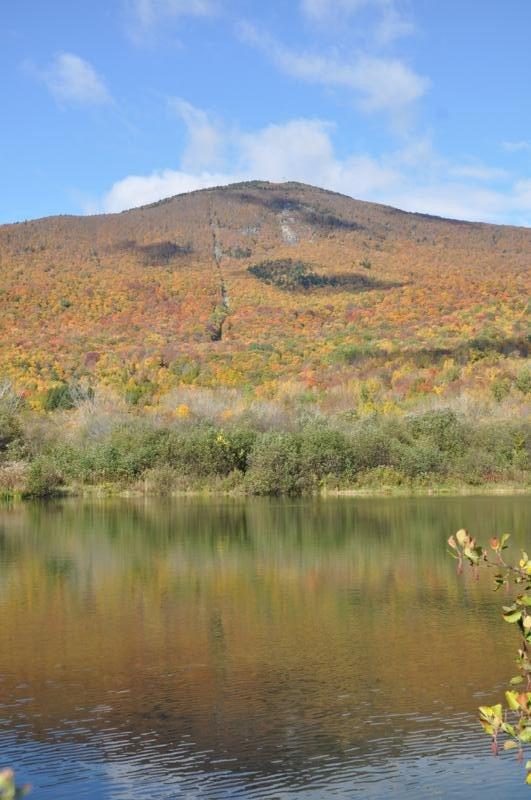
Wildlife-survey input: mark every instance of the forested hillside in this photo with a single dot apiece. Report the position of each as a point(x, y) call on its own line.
point(257, 284)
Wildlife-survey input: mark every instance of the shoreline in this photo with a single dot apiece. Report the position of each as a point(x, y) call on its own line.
point(113, 491)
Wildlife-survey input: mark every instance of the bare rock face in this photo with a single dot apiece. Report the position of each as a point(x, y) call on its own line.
point(289, 236)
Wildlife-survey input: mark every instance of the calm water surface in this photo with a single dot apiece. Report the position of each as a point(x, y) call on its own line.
point(251, 649)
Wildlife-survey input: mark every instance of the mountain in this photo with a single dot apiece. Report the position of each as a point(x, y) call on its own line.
point(258, 285)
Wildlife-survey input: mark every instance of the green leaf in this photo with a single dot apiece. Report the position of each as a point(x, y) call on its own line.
point(487, 727)
point(473, 554)
point(524, 600)
point(504, 538)
point(512, 701)
point(512, 616)
point(516, 680)
point(509, 745)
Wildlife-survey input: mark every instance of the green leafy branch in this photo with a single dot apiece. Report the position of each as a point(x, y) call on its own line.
point(514, 719)
point(8, 787)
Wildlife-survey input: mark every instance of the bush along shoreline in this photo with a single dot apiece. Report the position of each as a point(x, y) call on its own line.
point(84, 450)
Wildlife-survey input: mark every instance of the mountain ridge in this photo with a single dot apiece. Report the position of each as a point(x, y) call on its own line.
point(268, 185)
point(253, 284)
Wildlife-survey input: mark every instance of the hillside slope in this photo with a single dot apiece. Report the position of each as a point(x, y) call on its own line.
point(206, 289)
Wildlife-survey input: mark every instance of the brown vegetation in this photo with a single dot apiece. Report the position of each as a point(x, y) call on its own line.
point(405, 308)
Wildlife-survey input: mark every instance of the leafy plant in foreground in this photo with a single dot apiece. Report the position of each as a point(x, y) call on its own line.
point(513, 720)
point(8, 787)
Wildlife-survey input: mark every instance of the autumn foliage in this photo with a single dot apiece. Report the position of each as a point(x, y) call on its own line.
point(385, 310)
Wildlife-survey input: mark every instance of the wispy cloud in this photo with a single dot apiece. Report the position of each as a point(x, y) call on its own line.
point(378, 84)
point(479, 172)
point(516, 147)
point(390, 23)
point(72, 80)
point(145, 17)
point(205, 138)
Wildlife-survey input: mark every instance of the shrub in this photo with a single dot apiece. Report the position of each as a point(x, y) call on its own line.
point(141, 393)
point(500, 389)
point(502, 443)
point(378, 477)
point(351, 353)
point(10, 431)
point(325, 453)
point(161, 480)
point(127, 452)
point(523, 381)
point(370, 446)
point(275, 465)
point(442, 428)
point(419, 458)
point(43, 479)
point(12, 478)
point(203, 451)
point(184, 370)
point(58, 397)
point(475, 466)
point(73, 461)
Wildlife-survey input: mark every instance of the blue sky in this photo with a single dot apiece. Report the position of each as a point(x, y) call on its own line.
point(422, 104)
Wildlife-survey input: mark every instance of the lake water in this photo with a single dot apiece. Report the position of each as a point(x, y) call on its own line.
point(252, 649)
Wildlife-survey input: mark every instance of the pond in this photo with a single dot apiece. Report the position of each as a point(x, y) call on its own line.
point(248, 648)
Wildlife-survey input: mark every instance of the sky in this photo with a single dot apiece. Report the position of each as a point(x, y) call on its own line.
point(420, 104)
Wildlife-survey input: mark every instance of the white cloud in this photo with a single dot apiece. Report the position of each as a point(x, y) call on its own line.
point(138, 190)
point(453, 199)
point(299, 149)
point(390, 23)
point(144, 16)
point(379, 84)
point(205, 139)
point(321, 9)
point(387, 84)
point(302, 150)
point(515, 147)
point(71, 79)
point(414, 177)
point(478, 171)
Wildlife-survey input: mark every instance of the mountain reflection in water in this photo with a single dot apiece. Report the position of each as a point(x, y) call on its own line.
point(200, 648)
